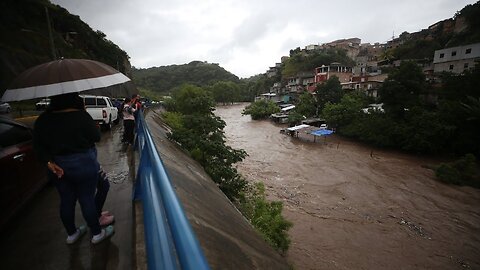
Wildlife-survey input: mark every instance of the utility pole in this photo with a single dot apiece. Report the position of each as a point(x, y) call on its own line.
point(52, 45)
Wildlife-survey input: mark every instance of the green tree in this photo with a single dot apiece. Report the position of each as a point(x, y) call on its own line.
point(460, 172)
point(225, 92)
point(345, 112)
point(193, 100)
point(267, 217)
point(401, 89)
point(330, 91)
point(458, 99)
point(424, 131)
point(261, 109)
point(199, 131)
point(303, 61)
point(306, 105)
point(165, 78)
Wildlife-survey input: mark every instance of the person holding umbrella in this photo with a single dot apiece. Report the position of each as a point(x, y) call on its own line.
point(64, 137)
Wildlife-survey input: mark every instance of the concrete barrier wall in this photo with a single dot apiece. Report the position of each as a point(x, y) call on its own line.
point(226, 237)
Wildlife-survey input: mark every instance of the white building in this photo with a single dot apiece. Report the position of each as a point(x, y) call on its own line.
point(456, 59)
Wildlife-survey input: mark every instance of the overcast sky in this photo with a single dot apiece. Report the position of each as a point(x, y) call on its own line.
point(247, 36)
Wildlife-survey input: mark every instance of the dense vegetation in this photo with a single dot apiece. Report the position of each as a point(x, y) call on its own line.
point(301, 61)
point(165, 78)
point(224, 86)
point(261, 109)
point(460, 172)
point(411, 121)
point(227, 87)
point(25, 42)
point(195, 128)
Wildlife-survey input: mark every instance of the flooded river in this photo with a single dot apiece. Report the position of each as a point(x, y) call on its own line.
point(354, 207)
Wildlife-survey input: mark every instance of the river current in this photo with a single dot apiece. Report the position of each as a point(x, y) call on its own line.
point(356, 207)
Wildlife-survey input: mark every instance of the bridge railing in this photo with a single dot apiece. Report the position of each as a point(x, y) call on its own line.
point(169, 239)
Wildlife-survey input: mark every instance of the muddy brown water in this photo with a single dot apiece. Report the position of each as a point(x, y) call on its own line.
point(357, 209)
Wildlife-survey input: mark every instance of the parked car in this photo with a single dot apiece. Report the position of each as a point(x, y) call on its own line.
point(22, 175)
point(373, 108)
point(103, 112)
point(42, 104)
point(5, 107)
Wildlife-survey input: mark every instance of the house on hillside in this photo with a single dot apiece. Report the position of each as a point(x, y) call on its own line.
point(365, 83)
point(293, 84)
point(307, 79)
point(268, 96)
point(272, 71)
point(323, 73)
point(302, 81)
point(277, 88)
point(456, 59)
point(312, 47)
point(350, 45)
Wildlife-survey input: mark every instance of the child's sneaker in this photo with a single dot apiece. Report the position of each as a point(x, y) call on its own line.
point(104, 234)
point(71, 239)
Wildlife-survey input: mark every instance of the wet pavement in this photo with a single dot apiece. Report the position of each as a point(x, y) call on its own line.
point(35, 239)
point(357, 207)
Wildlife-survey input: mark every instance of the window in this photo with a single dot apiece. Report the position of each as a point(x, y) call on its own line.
point(465, 66)
point(468, 51)
point(451, 67)
point(11, 135)
point(442, 55)
point(90, 101)
point(454, 53)
point(101, 102)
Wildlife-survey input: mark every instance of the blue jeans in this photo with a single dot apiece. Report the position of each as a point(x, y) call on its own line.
point(79, 182)
point(102, 191)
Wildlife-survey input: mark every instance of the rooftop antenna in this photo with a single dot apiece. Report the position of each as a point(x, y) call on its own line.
point(393, 35)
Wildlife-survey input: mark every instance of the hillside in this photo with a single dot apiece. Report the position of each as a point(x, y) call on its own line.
point(25, 39)
point(463, 28)
point(163, 79)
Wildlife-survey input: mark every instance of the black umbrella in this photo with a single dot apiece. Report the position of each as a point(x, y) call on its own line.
point(61, 77)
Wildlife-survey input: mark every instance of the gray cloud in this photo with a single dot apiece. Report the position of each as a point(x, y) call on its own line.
point(246, 37)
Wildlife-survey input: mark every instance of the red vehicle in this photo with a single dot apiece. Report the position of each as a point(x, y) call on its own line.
point(21, 174)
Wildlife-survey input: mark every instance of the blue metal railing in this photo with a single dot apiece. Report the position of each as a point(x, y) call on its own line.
point(169, 238)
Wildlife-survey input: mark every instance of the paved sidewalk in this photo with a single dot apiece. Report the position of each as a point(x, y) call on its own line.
point(36, 238)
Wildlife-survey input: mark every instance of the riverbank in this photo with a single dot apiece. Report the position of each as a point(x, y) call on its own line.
point(357, 209)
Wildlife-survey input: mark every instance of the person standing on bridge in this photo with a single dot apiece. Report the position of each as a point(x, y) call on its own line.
point(64, 138)
point(128, 121)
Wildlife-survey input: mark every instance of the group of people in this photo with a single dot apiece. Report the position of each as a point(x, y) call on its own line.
point(71, 158)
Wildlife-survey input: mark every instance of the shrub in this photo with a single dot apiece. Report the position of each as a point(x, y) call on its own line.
point(173, 119)
point(266, 217)
point(460, 172)
point(197, 130)
point(448, 174)
point(261, 109)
